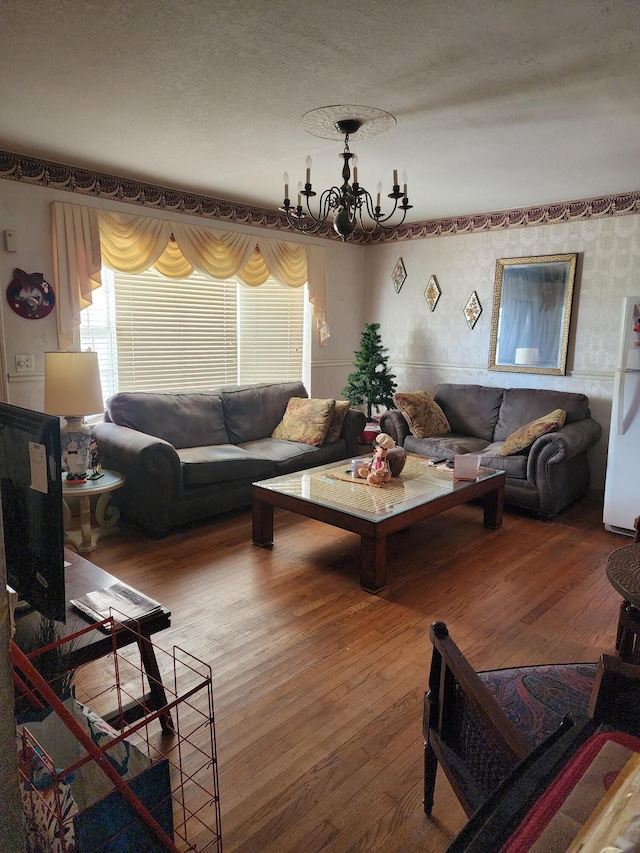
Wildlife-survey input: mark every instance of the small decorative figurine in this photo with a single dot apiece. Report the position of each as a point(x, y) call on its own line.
point(378, 472)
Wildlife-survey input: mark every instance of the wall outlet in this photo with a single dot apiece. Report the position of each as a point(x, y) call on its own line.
point(25, 363)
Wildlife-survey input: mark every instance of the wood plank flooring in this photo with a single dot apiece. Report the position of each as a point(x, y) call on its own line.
point(318, 686)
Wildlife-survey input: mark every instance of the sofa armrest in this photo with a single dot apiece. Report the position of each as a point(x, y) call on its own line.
point(394, 424)
point(352, 427)
point(137, 456)
point(572, 439)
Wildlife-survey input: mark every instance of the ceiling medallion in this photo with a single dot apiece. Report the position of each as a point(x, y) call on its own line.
point(349, 202)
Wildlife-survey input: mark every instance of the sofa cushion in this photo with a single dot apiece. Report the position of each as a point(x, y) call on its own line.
point(525, 436)
point(470, 409)
point(514, 467)
point(339, 414)
point(422, 413)
point(445, 445)
point(222, 463)
point(522, 405)
point(184, 420)
point(254, 411)
point(305, 420)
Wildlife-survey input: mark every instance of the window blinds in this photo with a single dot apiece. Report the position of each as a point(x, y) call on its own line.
point(160, 334)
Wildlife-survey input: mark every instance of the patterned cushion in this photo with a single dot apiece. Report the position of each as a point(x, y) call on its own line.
point(339, 414)
point(526, 435)
point(536, 698)
point(422, 413)
point(305, 420)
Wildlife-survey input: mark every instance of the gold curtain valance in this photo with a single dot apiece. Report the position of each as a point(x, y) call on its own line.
point(132, 244)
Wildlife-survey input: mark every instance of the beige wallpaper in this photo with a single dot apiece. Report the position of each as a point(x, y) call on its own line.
point(426, 348)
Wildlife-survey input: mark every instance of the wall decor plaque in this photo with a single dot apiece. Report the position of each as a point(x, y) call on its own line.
point(30, 295)
point(432, 293)
point(399, 275)
point(472, 310)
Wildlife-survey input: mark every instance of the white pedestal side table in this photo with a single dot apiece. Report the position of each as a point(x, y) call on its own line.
point(106, 516)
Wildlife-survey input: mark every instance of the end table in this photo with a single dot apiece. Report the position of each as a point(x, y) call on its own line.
point(623, 572)
point(87, 538)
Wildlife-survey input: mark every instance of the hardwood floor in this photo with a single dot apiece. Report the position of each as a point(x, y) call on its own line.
point(318, 686)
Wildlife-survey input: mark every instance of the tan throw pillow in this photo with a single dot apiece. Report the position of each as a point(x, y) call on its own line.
point(305, 420)
point(422, 413)
point(339, 414)
point(526, 435)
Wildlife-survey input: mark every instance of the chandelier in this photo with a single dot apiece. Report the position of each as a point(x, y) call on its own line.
point(350, 204)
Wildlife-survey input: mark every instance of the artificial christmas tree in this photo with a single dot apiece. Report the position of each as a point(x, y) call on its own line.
point(371, 382)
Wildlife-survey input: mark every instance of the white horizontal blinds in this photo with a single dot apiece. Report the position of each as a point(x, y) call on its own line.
point(270, 332)
point(175, 334)
point(98, 332)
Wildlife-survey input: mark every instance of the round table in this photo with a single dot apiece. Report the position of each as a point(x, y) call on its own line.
point(87, 538)
point(623, 572)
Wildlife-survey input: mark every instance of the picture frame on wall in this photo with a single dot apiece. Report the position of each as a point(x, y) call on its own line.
point(531, 316)
point(432, 293)
point(399, 275)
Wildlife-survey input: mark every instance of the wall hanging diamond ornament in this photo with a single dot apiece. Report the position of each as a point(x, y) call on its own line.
point(30, 295)
point(472, 310)
point(399, 275)
point(432, 293)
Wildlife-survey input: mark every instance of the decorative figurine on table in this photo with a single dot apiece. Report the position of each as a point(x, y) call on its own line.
point(74, 459)
point(94, 461)
point(378, 472)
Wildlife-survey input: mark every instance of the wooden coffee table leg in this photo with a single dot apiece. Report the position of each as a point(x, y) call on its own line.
point(373, 563)
point(262, 523)
point(493, 507)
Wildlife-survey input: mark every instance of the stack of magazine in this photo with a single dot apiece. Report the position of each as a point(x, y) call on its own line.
point(118, 600)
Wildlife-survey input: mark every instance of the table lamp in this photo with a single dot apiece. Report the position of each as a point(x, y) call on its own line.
point(72, 389)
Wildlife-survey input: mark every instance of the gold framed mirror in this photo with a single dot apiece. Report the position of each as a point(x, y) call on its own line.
point(531, 314)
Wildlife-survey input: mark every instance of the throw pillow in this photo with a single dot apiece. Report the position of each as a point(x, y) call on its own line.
point(339, 414)
point(526, 435)
point(422, 413)
point(305, 420)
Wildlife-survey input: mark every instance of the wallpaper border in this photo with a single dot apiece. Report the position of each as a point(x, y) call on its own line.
point(45, 173)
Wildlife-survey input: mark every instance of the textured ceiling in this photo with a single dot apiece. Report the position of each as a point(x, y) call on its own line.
point(498, 104)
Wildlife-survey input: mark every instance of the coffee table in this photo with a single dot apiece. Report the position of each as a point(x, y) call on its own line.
point(329, 493)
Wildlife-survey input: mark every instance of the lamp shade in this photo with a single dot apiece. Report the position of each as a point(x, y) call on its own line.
point(72, 385)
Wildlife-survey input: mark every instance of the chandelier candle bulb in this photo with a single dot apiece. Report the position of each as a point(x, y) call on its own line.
point(395, 177)
point(379, 194)
point(285, 178)
point(309, 170)
point(404, 181)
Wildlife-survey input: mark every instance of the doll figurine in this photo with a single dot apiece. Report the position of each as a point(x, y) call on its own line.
point(378, 471)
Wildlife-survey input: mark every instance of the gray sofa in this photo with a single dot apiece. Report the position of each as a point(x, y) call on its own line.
point(545, 477)
point(191, 455)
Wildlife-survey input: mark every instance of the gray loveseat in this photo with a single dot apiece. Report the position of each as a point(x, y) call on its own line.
point(545, 477)
point(188, 456)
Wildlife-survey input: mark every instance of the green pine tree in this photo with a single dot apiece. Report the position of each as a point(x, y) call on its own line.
point(371, 382)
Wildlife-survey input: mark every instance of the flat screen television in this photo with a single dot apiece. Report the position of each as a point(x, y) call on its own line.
point(32, 508)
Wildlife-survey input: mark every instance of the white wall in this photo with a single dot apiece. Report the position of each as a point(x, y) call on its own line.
point(426, 348)
point(26, 210)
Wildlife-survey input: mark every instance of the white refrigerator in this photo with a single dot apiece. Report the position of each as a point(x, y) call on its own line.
point(622, 484)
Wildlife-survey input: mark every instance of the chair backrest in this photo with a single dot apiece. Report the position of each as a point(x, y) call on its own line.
point(615, 698)
point(465, 729)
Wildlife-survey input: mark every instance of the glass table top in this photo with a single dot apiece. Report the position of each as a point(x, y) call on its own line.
point(333, 486)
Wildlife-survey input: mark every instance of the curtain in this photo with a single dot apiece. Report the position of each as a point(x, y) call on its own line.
point(132, 244)
point(76, 264)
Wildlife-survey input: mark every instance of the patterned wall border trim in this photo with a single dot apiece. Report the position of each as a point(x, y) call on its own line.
point(30, 170)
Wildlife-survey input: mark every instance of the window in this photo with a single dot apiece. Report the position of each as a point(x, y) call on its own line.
point(153, 333)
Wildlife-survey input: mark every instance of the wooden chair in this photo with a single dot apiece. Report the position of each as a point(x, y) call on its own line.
point(478, 738)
